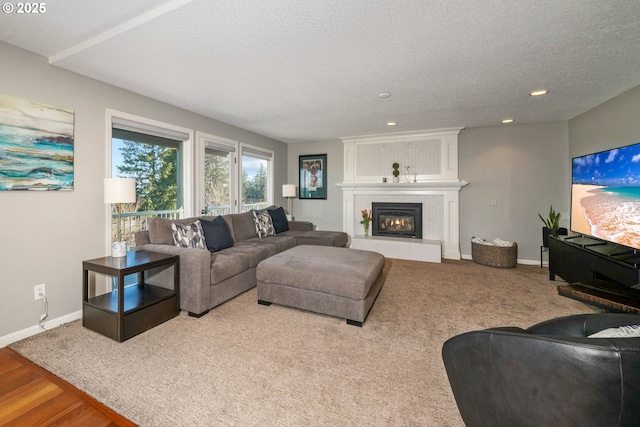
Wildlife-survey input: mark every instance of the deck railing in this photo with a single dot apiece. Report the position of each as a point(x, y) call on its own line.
point(138, 221)
point(223, 210)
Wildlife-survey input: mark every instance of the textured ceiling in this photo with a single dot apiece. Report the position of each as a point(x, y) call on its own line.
point(300, 71)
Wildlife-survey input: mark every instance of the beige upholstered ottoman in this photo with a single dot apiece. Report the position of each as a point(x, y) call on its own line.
point(338, 282)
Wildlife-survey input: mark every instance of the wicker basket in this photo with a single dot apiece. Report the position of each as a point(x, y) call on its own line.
point(495, 256)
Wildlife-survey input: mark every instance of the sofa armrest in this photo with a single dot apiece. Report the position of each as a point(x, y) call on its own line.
point(195, 276)
point(499, 377)
point(300, 226)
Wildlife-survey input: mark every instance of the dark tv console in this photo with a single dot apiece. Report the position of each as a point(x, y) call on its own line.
point(598, 272)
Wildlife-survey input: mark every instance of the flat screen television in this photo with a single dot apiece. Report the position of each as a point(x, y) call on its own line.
point(605, 195)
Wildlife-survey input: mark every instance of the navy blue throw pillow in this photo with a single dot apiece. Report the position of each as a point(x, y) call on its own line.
point(216, 234)
point(279, 219)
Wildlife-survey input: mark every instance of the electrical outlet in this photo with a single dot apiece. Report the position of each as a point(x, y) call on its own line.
point(38, 292)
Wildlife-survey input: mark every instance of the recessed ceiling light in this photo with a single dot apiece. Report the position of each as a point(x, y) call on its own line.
point(391, 123)
point(539, 92)
point(507, 121)
point(384, 95)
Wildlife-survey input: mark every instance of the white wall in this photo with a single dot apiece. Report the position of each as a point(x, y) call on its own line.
point(524, 168)
point(325, 214)
point(46, 235)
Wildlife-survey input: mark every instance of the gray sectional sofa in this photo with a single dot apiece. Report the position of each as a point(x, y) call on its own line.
point(209, 278)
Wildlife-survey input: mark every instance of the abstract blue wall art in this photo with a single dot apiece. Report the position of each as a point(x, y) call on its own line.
point(36, 145)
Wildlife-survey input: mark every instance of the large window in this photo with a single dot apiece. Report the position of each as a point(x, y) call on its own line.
point(232, 176)
point(154, 154)
point(154, 162)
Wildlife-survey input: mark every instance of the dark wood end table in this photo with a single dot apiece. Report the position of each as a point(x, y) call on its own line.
point(131, 310)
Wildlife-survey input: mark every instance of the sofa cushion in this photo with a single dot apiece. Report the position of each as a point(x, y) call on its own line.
point(228, 264)
point(280, 243)
point(279, 219)
point(256, 252)
point(243, 226)
point(216, 234)
point(322, 238)
point(263, 223)
point(188, 235)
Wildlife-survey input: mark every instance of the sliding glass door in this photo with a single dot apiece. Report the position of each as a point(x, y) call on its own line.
point(218, 188)
point(256, 178)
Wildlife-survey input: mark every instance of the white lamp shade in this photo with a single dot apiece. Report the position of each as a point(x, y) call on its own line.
point(119, 190)
point(289, 190)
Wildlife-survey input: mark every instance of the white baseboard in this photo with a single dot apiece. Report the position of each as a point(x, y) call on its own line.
point(519, 261)
point(34, 330)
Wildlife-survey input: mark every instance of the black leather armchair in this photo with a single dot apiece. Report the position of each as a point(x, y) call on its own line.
point(550, 374)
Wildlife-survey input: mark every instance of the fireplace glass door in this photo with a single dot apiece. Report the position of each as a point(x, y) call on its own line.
point(396, 223)
point(397, 219)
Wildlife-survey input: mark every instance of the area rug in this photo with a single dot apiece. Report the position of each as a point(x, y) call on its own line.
point(245, 364)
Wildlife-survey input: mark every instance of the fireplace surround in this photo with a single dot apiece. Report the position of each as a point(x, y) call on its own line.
point(431, 159)
point(397, 219)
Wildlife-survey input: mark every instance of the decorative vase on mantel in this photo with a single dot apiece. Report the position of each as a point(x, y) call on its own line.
point(366, 228)
point(396, 173)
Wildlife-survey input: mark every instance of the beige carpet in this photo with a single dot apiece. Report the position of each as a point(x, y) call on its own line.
point(245, 364)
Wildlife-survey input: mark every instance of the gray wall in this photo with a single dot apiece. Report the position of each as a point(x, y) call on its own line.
point(47, 235)
point(325, 214)
point(612, 124)
point(525, 169)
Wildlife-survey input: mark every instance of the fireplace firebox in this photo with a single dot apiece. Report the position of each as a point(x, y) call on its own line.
point(397, 219)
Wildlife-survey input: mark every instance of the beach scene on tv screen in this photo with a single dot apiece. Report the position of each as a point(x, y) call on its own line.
point(605, 195)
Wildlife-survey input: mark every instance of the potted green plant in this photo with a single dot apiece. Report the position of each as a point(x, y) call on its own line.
point(551, 226)
point(396, 172)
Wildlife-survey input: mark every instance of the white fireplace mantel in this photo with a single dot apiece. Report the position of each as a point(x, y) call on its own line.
point(428, 157)
point(403, 187)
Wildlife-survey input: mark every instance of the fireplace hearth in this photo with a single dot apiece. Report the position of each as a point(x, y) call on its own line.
point(397, 219)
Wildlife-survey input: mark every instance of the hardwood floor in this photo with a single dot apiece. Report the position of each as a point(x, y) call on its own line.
point(32, 396)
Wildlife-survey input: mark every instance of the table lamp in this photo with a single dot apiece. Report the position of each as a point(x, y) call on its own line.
point(118, 191)
point(289, 191)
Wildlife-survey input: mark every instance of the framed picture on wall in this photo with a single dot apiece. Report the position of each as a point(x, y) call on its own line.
point(313, 177)
point(36, 145)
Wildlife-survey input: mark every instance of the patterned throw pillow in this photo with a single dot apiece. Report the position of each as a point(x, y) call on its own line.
point(630, 331)
point(264, 224)
point(188, 235)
